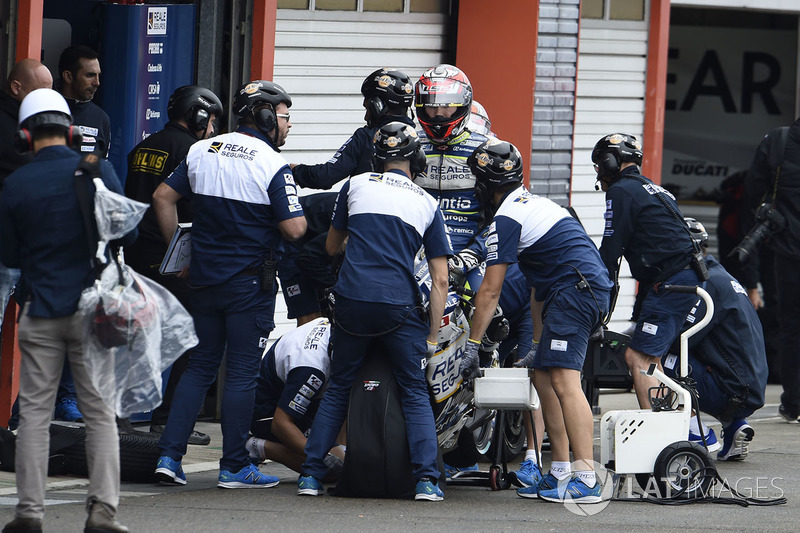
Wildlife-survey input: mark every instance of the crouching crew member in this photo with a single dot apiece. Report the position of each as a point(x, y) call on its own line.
point(727, 358)
point(290, 383)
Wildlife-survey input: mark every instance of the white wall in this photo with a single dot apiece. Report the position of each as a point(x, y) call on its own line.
point(321, 59)
point(612, 65)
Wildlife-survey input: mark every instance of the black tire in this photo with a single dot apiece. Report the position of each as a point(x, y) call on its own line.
point(514, 439)
point(683, 469)
point(138, 454)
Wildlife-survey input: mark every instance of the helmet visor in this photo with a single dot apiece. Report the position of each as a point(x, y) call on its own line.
point(443, 92)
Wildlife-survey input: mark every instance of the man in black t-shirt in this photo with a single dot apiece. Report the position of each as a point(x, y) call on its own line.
point(192, 111)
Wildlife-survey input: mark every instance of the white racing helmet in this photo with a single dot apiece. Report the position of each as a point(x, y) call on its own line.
point(45, 102)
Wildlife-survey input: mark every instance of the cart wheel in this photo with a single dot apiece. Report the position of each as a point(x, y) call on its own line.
point(682, 469)
point(495, 483)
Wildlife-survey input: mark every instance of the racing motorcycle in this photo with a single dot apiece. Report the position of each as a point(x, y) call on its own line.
point(464, 431)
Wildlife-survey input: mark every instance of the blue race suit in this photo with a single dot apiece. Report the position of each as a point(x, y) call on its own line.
point(448, 179)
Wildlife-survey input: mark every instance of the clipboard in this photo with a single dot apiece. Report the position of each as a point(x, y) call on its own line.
point(179, 251)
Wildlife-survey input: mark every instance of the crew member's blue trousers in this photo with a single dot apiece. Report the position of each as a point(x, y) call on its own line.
point(232, 318)
point(406, 348)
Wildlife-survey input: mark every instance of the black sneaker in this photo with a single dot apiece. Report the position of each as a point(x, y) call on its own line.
point(786, 415)
point(197, 438)
point(124, 427)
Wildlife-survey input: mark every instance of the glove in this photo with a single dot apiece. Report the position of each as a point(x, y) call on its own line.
point(470, 363)
point(432, 348)
point(527, 361)
point(463, 262)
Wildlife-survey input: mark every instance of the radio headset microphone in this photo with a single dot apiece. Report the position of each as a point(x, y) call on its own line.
point(597, 185)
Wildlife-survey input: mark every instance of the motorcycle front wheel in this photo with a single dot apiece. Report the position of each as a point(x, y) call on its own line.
point(513, 436)
point(472, 445)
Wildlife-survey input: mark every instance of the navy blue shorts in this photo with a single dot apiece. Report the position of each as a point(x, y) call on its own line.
point(569, 318)
point(663, 314)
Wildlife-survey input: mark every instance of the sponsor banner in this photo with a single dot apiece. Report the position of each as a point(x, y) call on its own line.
point(726, 88)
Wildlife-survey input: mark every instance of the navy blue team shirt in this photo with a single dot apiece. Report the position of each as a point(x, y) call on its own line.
point(637, 225)
point(388, 218)
point(240, 189)
point(547, 241)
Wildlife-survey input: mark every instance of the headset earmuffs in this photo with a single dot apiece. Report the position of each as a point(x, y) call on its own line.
point(482, 193)
point(418, 162)
point(265, 119)
point(608, 165)
point(197, 119)
point(376, 108)
point(23, 139)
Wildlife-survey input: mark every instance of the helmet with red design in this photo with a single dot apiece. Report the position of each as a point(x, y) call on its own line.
point(443, 101)
point(479, 120)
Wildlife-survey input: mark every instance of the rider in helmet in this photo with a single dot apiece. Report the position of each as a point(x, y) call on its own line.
point(727, 358)
point(570, 292)
point(479, 120)
point(644, 224)
point(192, 112)
point(443, 102)
point(385, 219)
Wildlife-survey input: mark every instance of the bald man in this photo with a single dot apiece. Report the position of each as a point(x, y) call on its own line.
point(26, 76)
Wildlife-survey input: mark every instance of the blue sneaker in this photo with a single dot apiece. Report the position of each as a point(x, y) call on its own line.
point(453, 471)
point(528, 492)
point(548, 482)
point(711, 440)
point(427, 490)
point(169, 471)
point(67, 410)
point(309, 486)
point(249, 477)
point(529, 474)
point(575, 490)
point(736, 438)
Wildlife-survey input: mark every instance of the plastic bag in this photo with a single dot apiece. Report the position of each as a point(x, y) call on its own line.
point(132, 329)
point(116, 214)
